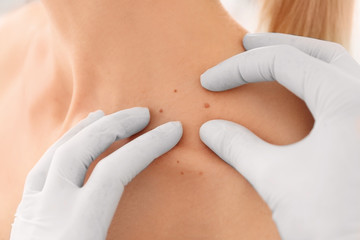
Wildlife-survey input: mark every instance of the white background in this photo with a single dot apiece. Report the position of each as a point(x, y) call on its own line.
point(244, 11)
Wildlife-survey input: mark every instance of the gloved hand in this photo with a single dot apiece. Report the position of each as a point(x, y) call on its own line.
point(56, 205)
point(312, 187)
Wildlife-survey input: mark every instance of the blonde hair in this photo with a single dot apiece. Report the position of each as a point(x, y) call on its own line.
point(329, 20)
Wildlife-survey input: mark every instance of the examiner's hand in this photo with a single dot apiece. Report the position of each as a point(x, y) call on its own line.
point(313, 186)
point(56, 204)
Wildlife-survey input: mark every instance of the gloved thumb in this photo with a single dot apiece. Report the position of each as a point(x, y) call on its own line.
point(237, 146)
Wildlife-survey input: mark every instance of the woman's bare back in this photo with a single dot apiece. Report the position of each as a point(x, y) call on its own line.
point(189, 193)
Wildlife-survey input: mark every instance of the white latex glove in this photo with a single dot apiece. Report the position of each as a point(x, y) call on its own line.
point(313, 186)
point(56, 205)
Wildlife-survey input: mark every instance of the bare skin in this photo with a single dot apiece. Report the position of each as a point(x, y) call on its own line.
point(61, 61)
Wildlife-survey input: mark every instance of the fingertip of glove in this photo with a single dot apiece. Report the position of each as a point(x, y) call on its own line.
point(139, 112)
point(174, 127)
point(204, 80)
point(208, 80)
point(209, 128)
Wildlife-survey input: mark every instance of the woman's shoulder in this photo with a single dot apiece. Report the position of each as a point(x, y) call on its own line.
point(17, 29)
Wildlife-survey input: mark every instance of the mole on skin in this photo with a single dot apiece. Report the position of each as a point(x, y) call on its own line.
point(161, 110)
point(206, 105)
point(182, 173)
point(175, 90)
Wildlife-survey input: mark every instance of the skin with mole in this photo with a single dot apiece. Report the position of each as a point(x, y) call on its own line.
point(206, 105)
point(69, 57)
point(182, 173)
point(161, 110)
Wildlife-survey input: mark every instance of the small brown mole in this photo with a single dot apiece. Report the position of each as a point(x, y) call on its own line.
point(201, 173)
point(182, 173)
point(206, 105)
point(161, 110)
point(175, 90)
point(177, 161)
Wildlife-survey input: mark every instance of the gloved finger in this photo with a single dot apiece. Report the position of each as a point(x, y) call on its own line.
point(237, 146)
point(329, 52)
point(309, 78)
point(72, 159)
point(111, 174)
point(36, 178)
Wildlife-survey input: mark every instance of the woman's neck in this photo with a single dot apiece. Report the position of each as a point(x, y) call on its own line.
point(125, 44)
